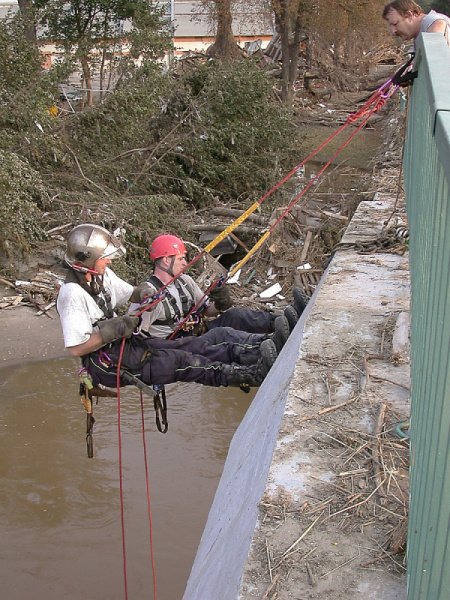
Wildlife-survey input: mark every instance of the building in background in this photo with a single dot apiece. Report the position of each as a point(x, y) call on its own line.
point(194, 33)
point(192, 30)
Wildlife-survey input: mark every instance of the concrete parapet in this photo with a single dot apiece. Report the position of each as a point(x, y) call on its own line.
point(282, 521)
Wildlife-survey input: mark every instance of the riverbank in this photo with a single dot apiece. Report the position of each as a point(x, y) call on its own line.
point(27, 336)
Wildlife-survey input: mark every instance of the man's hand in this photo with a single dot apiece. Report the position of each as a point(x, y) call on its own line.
point(117, 328)
point(221, 298)
point(142, 292)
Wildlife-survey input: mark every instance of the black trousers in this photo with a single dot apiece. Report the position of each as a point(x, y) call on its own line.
point(159, 361)
point(244, 319)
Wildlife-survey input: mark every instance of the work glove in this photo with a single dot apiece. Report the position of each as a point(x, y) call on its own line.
point(142, 292)
point(117, 328)
point(221, 298)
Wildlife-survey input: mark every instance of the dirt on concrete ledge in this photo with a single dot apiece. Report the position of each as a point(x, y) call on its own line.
point(332, 522)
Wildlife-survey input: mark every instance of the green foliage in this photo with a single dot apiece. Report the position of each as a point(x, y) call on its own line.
point(215, 133)
point(26, 91)
point(159, 145)
point(239, 136)
point(23, 196)
point(91, 30)
point(144, 218)
point(120, 123)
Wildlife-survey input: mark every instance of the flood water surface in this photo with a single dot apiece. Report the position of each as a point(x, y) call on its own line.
point(60, 511)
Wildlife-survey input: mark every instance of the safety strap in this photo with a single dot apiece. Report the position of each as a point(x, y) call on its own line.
point(95, 289)
point(86, 386)
point(158, 392)
point(160, 404)
point(186, 302)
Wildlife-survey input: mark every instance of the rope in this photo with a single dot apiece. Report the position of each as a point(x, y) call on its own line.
point(147, 481)
point(378, 102)
point(372, 105)
point(119, 436)
point(149, 508)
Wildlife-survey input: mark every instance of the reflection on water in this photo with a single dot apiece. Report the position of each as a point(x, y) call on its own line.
point(60, 511)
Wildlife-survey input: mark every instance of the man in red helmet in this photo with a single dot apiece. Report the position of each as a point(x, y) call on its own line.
point(223, 322)
point(87, 302)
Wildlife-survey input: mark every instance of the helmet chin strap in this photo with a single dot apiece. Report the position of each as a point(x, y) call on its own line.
point(169, 269)
point(82, 269)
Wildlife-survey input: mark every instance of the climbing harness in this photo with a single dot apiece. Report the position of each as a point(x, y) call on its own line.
point(176, 316)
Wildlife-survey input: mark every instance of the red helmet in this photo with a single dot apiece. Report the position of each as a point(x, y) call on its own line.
point(166, 245)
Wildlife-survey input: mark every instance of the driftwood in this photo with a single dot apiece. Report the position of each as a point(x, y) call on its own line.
point(222, 211)
point(220, 228)
point(376, 454)
point(399, 538)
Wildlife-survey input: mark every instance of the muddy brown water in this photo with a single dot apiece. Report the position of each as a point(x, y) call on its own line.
point(60, 511)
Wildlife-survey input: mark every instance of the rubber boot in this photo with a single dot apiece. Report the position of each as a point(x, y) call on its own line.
point(292, 316)
point(300, 300)
point(246, 354)
point(281, 333)
point(252, 375)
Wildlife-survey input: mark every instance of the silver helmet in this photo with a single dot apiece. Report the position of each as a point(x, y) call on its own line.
point(87, 243)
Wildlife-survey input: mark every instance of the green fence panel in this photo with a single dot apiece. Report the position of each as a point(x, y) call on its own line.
point(427, 178)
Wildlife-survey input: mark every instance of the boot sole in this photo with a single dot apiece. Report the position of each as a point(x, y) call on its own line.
point(291, 315)
point(282, 332)
point(300, 300)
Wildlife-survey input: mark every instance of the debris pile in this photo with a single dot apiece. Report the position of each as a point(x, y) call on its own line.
point(39, 292)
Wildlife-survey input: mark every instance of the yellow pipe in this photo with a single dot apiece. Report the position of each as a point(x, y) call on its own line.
point(249, 254)
point(251, 209)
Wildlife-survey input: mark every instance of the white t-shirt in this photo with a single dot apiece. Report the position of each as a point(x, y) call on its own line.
point(78, 311)
point(433, 16)
point(158, 313)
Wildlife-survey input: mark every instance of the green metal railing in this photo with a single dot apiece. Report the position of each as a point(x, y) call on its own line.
point(427, 183)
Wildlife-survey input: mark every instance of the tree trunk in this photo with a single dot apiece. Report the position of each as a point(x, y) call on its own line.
point(224, 47)
point(27, 12)
point(288, 24)
point(87, 80)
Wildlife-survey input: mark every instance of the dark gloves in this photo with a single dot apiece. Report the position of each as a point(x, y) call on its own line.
point(117, 328)
point(141, 292)
point(221, 298)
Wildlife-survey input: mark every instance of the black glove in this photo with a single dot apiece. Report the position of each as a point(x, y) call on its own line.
point(141, 292)
point(117, 327)
point(221, 298)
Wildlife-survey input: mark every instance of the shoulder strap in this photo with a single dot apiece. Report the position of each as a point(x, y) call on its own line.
point(167, 302)
point(94, 289)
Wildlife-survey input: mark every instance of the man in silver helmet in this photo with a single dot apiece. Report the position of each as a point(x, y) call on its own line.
point(86, 304)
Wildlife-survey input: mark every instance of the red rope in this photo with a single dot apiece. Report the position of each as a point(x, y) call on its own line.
point(119, 435)
point(367, 114)
point(149, 509)
point(147, 482)
point(319, 173)
point(378, 99)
